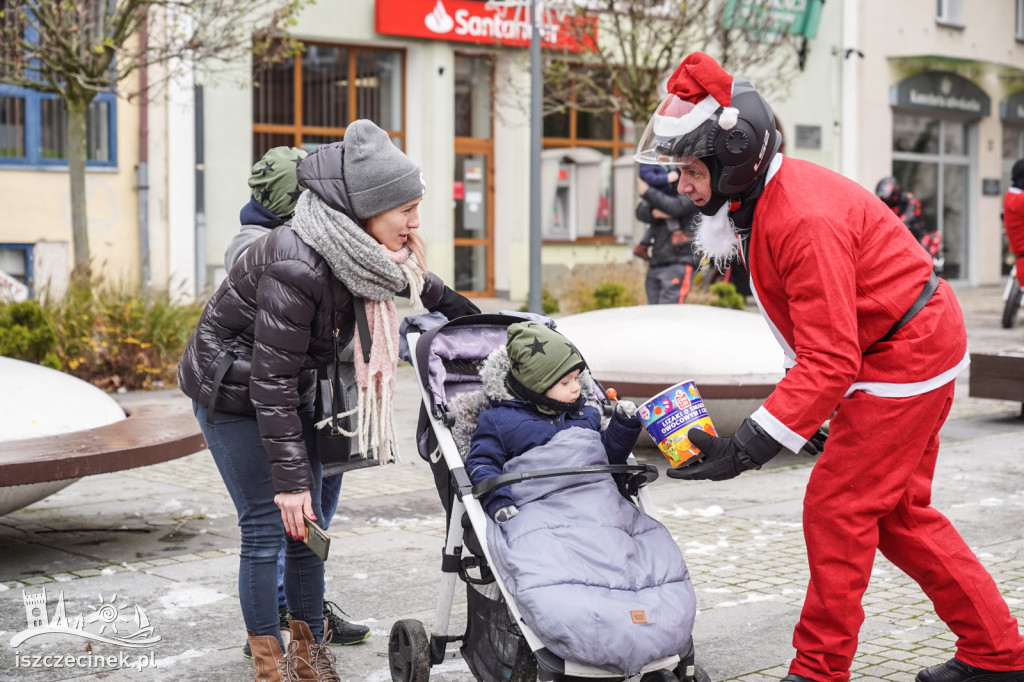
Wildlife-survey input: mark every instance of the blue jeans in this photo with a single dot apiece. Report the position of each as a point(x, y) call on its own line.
point(238, 452)
point(330, 491)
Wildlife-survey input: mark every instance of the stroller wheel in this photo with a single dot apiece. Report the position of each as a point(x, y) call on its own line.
point(409, 652)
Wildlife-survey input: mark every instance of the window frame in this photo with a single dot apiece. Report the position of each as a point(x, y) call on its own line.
point(298, 130)
point(28, 252)
point(33, 99)
point(33, 157)
point(949, 13)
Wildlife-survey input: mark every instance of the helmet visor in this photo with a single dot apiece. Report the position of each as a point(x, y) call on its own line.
point(679, 132)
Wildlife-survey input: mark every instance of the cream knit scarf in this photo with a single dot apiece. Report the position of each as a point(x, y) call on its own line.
point(373, 272)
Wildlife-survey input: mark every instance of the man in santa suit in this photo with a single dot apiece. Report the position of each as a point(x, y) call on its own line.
point(872, 341)
point(1013, 216)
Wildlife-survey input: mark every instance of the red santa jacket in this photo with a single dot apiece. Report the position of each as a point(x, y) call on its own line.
point(832, 269)
point(1013, 220)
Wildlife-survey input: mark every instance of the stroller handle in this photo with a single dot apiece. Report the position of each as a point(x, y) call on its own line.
point(649, 472)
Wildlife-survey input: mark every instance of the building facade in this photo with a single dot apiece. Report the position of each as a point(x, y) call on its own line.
point(919, 89)
point(928, 92)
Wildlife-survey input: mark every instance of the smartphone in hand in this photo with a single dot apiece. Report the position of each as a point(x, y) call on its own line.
point(316, 538)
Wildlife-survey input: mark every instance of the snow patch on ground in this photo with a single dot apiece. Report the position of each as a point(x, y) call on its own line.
point(183, 599)
point(679, 512)
point(750, 599)
point(189, 654)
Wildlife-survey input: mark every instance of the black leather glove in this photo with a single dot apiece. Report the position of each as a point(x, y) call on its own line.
point(453, 305)
point(438, 297)
point(726, 458)
point(815, 445)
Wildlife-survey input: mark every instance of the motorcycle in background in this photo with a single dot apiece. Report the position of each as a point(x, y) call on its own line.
point(932, 243)
point(1013, 299)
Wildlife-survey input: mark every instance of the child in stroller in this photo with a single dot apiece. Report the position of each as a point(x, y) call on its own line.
point(606, 597)
point(535, 387)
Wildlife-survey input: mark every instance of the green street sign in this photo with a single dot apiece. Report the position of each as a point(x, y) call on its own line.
point(770, 21)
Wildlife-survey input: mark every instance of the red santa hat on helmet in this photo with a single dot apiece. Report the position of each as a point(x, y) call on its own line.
point(701, 82)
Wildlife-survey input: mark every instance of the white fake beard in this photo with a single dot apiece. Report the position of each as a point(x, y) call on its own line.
point(715, 240)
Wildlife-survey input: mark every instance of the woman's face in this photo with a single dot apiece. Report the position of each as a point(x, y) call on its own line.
point(392, 228)
point(695, 182)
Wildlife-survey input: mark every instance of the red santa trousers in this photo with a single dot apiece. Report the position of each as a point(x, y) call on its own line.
point(871, 488)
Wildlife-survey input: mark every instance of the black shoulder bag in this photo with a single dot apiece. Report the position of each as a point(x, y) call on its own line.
point(337, 394)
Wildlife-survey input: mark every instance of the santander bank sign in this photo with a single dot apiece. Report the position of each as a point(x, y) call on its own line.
point(475, 22)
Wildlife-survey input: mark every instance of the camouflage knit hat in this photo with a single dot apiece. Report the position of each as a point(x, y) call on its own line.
point(538, 357)
point(273, 180)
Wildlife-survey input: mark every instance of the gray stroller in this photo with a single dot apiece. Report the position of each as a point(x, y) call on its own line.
point(498, 644)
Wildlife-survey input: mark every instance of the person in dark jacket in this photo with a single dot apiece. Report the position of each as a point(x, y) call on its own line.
point(666, 245)
point(250, 366)
point(904, 204)
point(275, 191)
point(544, 397)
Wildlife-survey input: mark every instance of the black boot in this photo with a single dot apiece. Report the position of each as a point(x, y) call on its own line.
point(793, 677)
point(957, 671)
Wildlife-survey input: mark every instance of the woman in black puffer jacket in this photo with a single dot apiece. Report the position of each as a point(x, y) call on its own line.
point(250, 365)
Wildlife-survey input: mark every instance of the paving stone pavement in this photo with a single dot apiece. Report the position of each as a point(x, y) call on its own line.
point(164, 538)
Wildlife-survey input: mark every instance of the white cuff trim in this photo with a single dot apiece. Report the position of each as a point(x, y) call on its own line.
point(777, 430)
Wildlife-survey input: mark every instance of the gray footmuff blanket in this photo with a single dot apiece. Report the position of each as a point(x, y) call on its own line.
point(597, 580)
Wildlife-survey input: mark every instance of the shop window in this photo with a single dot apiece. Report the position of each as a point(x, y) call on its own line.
point(307, 100)
point(950, 13)
point(579, 125)
point(33, 128)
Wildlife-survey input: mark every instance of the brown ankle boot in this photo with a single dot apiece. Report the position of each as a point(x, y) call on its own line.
point(272, 664)
point(313, 662)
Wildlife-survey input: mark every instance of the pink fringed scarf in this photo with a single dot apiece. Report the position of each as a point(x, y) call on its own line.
point(376, 379)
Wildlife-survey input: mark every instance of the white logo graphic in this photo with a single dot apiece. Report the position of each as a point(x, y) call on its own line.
point(438, 20)
point(112, 626)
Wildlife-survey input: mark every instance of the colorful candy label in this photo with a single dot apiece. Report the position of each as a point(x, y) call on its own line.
point(668, 417)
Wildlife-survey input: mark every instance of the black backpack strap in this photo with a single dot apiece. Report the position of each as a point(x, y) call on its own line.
point(223, 365)
point(362, 327)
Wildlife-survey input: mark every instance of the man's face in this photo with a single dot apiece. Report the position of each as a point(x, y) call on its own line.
point(695, 182)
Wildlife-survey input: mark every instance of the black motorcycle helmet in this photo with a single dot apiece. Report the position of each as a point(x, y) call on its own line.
point(1017, 174)
point(888, 190)
point(736, 156)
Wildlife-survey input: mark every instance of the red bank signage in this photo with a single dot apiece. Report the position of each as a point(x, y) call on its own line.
point(472, 22)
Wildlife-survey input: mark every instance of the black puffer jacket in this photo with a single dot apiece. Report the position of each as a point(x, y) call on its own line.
point(274, 313)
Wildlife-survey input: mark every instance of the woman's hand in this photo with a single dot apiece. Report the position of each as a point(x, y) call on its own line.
point(293, 506)
point(658, 213)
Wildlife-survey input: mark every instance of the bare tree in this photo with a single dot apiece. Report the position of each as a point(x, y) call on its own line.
point(80, 48)
point(634, 45)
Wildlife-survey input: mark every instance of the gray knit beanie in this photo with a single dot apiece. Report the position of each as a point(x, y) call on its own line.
point(378, 176)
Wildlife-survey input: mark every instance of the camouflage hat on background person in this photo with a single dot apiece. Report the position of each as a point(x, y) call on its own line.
point(273, 181)
point(538, 358)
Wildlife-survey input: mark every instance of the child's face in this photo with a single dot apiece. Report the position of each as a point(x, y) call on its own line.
point(567, 390)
